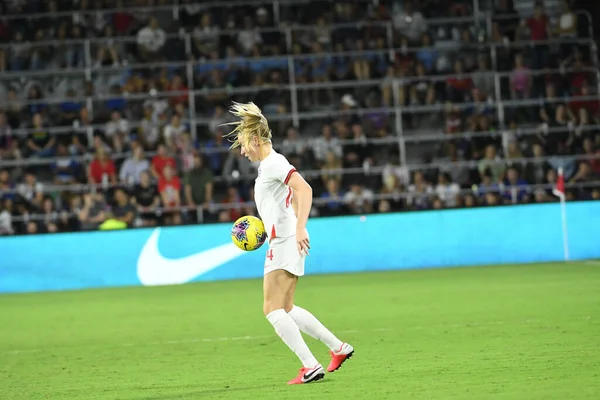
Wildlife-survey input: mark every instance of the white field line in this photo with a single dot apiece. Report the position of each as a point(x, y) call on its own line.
point(263, 337)
point(204, 340)
point(589, 262)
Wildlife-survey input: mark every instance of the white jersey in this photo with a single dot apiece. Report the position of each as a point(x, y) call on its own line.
point(273, 197)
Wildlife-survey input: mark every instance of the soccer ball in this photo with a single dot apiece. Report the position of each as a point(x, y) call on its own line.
point(248, 233)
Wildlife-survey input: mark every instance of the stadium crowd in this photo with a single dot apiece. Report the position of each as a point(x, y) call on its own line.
point(128, 127)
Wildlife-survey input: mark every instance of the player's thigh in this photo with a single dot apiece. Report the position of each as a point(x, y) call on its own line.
point(279, 287)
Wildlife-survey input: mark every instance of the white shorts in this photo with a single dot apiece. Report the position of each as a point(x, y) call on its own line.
point(283, 254)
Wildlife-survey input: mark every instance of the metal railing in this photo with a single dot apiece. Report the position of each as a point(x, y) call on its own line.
point(505, 190)
point(175, 7)
point(397, 112)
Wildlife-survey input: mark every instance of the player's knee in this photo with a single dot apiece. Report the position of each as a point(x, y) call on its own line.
point(270, 306)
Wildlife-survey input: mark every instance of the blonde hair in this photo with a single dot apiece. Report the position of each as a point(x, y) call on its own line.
point(251, 122)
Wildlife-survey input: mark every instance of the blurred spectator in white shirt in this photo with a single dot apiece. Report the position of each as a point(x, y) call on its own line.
point(408, 21)
point(446, 190)
point(326, 143)
point(359, 199)
point(132, 168)
point(151, 40)
point(117, 131)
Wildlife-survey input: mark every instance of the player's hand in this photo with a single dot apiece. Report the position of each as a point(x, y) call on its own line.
point(302, 241)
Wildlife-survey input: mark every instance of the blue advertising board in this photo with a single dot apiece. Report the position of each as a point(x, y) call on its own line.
point(176, 255)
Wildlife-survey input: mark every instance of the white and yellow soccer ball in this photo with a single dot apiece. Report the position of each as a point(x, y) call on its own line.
point(248, 233)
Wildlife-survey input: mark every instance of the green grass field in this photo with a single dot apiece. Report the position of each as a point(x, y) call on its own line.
point(511, 332)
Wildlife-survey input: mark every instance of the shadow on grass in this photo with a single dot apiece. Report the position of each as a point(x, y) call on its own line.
point(208, 393)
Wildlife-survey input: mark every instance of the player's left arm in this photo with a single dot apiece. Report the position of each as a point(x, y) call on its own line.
point(302, 197)
point(294, 204)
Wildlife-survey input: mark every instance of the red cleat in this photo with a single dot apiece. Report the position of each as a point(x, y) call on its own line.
point(308, 375)
point(340, 356)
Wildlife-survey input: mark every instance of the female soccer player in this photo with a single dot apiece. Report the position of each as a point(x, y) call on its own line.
point(284, 199)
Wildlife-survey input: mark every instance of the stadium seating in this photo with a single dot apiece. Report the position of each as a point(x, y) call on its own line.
point(382, 107)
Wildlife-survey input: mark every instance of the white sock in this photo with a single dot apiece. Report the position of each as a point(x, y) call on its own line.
point(288, 331)
point(310, 325)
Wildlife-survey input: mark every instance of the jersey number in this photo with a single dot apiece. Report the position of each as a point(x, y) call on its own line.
point(270, 254)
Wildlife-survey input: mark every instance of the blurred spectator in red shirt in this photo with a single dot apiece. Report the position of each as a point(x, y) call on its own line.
point(161, 160)
point(8, 145)
point(169, 188)
point(538, 23)
point(579, 101)
point(539, 29)
point(101, 169)
point(177, 85)
point(122, 20)
point(231, 214)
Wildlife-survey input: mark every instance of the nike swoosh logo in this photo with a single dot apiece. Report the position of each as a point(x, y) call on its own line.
point(155, 269)
point(311, 374)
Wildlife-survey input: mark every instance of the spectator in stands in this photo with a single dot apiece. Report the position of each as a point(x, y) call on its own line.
point(419, 192)
point(169, 187)
point(51, 221)
point(517, 188)
point(40, 142)
point(161, 160)
point(6, 210)
point(93, 213)
point(232, 198)
point(109, 52)
point(66, 168)
point(133, 167)
point(408, 21)
point(326, 143)
point(446, 190)
point(147, 199)
point(13, 107)
point(8, 144)
point(293, 144)
point(117, 131)
point(31, 191)
point(556, 132)
point(150, 40)
point(238, 168)
point(520, 81)
point(458, 84)
point(199, 185)
point(540, 30)
point(6, 185)
point(101, 170)
point(249, 37)
point(427, 55)
point(333, 197)
point(124, 211)
point(359, 199)
point(32, 228)
point(584, 173)
point(173, 131)
point(483, 78)
point(331, 169)
point(19, 53)
point(149, 129)
point(69, 108)
point(206, 36)
point(492, 162)
point(537, 167)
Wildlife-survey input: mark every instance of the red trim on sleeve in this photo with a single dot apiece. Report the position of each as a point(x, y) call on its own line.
point(273, 233)
point(289, 175)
